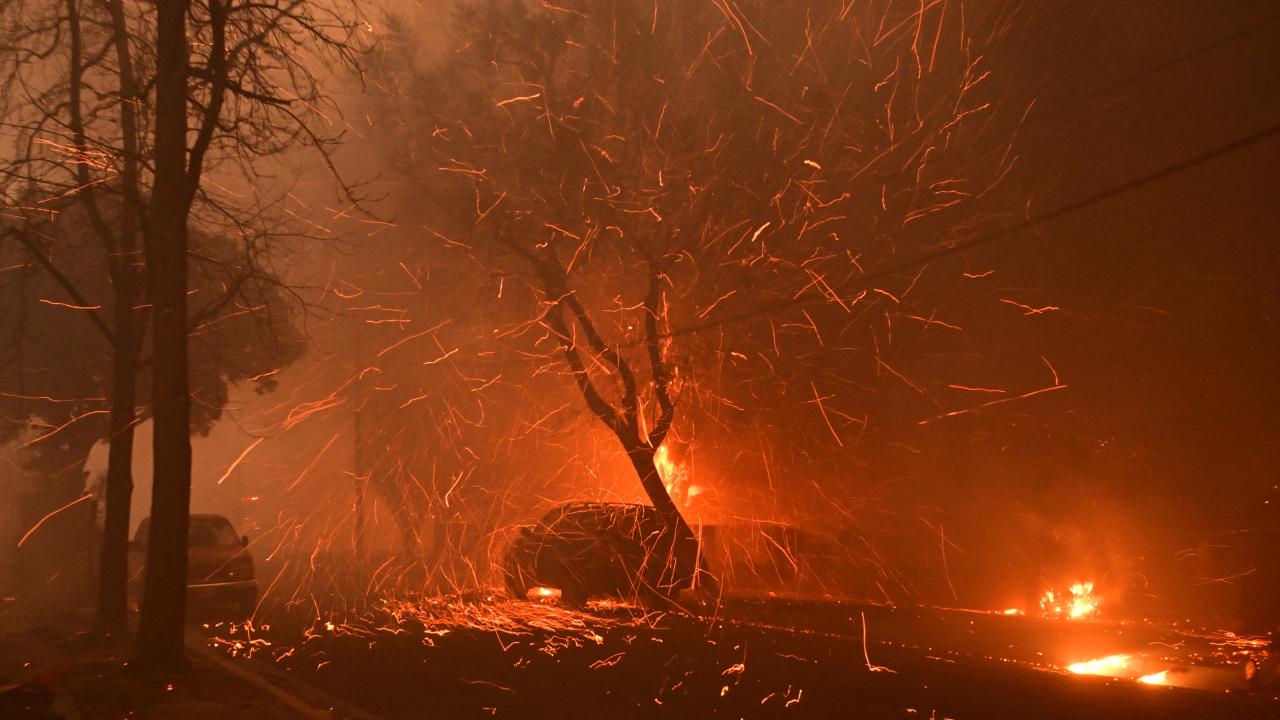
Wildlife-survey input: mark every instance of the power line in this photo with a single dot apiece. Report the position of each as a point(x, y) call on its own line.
point(864, 282)
point(1154, 69)
point(916, 261)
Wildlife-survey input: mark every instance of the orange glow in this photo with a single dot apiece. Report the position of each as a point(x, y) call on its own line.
point(1157, 678)
point(1110, 666)
point(675, 477)
point(544, 593)
point(1119, 666)
point(1080, 604)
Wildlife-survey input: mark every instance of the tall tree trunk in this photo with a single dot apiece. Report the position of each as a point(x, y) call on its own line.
point(160, 634)
point(113, 578)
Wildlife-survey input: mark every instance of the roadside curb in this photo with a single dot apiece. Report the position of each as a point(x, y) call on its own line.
point(306, 700)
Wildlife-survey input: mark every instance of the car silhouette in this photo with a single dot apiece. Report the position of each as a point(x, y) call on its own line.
point(588, 549)
point(220, 576)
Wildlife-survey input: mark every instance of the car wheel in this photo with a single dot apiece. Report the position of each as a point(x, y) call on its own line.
point(515, 587)
point(573, 595)
point(513, 578)
point(652, 599)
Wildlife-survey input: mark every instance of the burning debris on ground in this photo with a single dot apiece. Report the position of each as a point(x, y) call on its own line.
point(640, 358)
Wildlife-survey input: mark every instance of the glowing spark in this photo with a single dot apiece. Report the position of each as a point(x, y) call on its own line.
point(48, 398)
point(817, 400)
point(977, 389)
point(713, 305)
point(63, 426)
point(412, 337)
point(44, 519)
point(1051, 369)
point(1001, 401)
point(788, 115)
point(865, 655)
point(231, 468)
point(934, 321)
point(69, 305)
point(442, 358)
point(314, 462)
point(1027, 309)
point(306, 410)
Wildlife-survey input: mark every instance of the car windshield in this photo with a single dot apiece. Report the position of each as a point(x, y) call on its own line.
point(205, 532)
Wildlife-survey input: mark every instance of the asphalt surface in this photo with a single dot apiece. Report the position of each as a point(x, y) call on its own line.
point(742, 658)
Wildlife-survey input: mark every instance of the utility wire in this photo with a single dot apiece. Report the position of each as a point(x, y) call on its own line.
point(1098, 198)
point(916, 261)
point(1153, 70)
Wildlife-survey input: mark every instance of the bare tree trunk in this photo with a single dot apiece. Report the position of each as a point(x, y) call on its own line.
point(113, 578)
point(682, 551)
point(160, 634)
point(113, 589)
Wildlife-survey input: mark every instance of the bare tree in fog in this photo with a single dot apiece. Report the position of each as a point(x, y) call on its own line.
point(142, 103)
point(638, 173)
point(60, 370)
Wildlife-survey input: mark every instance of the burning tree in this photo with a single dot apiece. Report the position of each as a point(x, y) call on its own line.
point(672, 199)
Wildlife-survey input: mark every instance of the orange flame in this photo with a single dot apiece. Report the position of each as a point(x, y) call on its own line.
point(1080, 604)
point(1111, 666)
point(675, 477)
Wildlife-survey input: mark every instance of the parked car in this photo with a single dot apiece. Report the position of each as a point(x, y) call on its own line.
point(586, 549)
point(220, 577)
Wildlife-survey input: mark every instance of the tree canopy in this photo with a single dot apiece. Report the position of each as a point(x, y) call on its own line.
point(713, 203)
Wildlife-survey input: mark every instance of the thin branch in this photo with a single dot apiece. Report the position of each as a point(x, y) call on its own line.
point(82, 304)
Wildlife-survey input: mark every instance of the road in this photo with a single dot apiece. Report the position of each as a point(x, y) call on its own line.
point(742, 658)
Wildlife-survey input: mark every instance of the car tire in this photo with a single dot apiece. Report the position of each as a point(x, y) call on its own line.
point(574, 596)
point(513, 578)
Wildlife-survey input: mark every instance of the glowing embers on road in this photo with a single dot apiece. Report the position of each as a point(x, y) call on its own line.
point(1109, 666)
point(1123, 665)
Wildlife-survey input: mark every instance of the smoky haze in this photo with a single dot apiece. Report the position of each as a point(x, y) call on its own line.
point(1087, 399)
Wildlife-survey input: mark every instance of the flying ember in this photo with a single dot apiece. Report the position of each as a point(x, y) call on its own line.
point(757, 359)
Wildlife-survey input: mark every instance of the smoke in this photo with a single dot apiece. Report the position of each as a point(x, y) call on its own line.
point(429, 415)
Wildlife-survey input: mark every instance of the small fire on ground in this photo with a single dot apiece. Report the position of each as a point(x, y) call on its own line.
point(1118, 666)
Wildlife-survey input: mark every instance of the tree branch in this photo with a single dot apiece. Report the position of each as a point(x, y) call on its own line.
point(38, 253)
point(660, 368)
